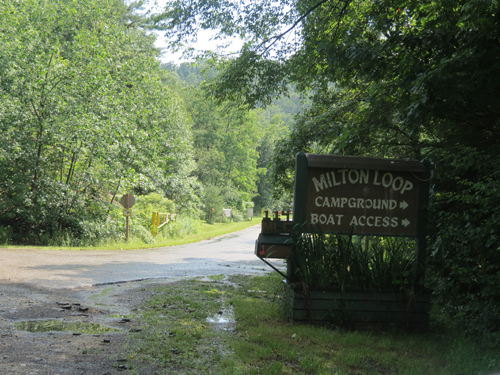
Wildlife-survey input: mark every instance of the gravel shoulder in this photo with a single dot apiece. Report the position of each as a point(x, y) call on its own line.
point(65, 352)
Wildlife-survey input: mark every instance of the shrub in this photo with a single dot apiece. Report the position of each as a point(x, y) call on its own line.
point(464, 251)
point(238, 215)
point(182, 227)
point(147, 204)
point(339, 260)
point(213, 199)
point(5, 235)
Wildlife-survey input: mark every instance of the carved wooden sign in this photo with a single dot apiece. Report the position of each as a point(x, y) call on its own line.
point(368, 196)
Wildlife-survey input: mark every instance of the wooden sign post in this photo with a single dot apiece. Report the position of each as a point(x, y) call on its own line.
point(127, 201)
point(353, 196)
point(363, 196)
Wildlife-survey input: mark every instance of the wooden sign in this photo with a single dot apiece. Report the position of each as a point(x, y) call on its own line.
point(366, 196)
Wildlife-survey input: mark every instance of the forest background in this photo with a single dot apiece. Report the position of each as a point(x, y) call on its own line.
point(87, 113)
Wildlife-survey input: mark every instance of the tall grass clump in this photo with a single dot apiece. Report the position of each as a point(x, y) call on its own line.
point(322, 259)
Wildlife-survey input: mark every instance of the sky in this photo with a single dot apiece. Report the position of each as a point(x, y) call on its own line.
point(204, 40)
point(204, 43)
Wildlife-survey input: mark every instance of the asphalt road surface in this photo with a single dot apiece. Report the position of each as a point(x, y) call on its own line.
point(229, 254)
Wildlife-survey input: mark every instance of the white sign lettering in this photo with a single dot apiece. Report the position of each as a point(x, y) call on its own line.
point(361, 177)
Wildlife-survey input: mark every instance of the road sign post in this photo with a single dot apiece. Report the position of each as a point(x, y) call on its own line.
point(127, 201)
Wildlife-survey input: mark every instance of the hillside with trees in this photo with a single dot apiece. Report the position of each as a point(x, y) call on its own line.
point(87, 114)
point(233, 145)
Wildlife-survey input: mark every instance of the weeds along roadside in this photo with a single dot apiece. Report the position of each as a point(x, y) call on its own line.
point(323, 260)
point(109, 232)
point(179, 336)
point(199, 230)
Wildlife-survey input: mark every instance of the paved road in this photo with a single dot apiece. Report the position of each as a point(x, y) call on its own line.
point(229, 254)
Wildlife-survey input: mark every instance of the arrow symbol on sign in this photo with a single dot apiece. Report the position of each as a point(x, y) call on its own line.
point(403, 205)
point(405, 222)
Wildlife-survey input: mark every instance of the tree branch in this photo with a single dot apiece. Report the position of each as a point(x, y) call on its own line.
point(301, 18)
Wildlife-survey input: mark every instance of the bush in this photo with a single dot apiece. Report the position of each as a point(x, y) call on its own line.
point(147, 204)
point(213, 200)
point(50, 214)
point(138, 232)
point(5, 235)
point(182, 227)
point(464, 256)
point(238, 215)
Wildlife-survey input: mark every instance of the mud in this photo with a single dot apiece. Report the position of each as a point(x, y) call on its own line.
point(68, 352)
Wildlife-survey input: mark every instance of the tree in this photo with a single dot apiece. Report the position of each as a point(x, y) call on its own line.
point(407, 79)
point(265, 199)
point(212, 137)
point(406, 56)
point(225, 139)
point(83, 116)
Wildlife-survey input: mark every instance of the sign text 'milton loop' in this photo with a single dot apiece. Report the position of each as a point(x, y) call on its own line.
point(360, 176)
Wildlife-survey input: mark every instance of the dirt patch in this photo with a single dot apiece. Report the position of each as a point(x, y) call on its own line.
point(69, 352)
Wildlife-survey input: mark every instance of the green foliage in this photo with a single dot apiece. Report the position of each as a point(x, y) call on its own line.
point(141, 220)
point(339, 260)
point(465, 252)
point(5, 235)
point(238, 215)
point(274, 130)
point(225, 139)
point(147, 204)
point(180, 228)
point(213, 202)
point(83, 117)
point(233, 146)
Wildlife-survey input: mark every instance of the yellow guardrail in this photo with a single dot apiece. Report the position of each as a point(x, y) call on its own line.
point(159, 219)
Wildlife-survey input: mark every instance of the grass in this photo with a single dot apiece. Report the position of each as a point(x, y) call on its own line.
point(340, 260)
point(178, 338)
point(205, 232)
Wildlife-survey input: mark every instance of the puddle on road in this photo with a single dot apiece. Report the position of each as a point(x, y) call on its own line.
point(223, 322)
point(41, 326)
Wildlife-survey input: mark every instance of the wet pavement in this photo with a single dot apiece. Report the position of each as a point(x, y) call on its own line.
point(229, 254)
